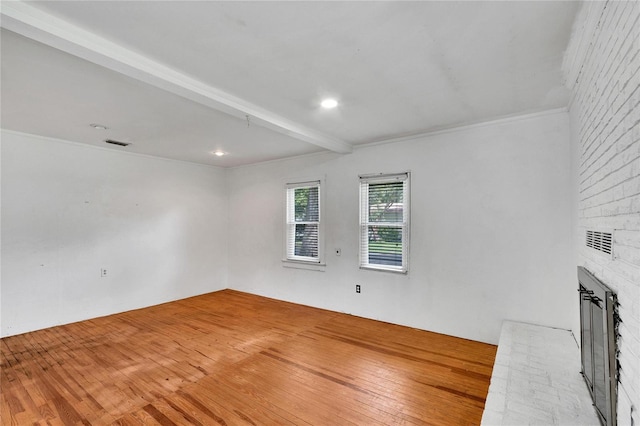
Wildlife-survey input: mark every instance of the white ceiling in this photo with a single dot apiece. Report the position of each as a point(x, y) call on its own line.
point(177, 79)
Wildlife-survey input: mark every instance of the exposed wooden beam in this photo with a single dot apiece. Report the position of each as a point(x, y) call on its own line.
point(45, 28)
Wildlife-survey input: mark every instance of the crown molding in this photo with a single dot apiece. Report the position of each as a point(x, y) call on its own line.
point(31, 22)
point(464, 127)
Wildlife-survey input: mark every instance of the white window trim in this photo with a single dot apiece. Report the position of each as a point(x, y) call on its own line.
point(363, 227)
point(301, 263)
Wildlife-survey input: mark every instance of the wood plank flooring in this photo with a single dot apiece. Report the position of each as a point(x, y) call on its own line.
point(231, 358)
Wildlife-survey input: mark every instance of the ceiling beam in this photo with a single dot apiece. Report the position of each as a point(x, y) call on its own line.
point(45, 28)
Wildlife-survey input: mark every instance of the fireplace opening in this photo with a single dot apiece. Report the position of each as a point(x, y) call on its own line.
point(598, 336)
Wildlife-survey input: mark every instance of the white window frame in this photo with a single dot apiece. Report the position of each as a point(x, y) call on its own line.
point(290, 260)
point(365, 181)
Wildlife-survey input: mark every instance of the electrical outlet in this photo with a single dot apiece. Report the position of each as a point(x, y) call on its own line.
point(103, 272)
point(357, 288)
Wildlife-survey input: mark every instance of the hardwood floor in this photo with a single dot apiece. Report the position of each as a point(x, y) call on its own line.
point(230, 358)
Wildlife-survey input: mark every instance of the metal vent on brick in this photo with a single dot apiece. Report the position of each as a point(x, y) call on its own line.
point(601, 241)
point(112, 142)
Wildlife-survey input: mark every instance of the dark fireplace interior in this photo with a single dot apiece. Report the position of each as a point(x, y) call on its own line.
point(598, 335)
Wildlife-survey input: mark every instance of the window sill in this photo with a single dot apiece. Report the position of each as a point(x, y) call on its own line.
point(382, 269)
point(310, 266)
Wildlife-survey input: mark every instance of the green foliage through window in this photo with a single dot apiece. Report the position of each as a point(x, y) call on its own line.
point(384, 222)
point(303, 222)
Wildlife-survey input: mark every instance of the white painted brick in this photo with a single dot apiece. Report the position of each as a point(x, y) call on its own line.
point(624, 410)
point(490, 417)
point(627, 238)
point(602, 198)
point(542, 385)
point(632, 186)
point(628, 149)
point(627, 254)
point(499, 372)
point(622, 222)
point(519, 412)
point(635, 205)
point(625, 274)
point(630, 341)
point(618, 192)
point(625, 206)
point(630, 379)
point(602, 163)
point(606, 108)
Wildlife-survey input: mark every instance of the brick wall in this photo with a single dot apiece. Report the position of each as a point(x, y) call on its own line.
point(602, 67)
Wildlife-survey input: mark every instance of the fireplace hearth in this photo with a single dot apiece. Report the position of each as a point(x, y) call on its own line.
point(598, 336)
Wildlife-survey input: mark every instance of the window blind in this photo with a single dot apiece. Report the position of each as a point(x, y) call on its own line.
point(384, 222)
point(303, 221)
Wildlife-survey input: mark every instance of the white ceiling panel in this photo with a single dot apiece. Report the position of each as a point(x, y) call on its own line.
point(51, 93)
point(397, 68)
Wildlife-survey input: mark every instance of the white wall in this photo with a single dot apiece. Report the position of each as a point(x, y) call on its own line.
point(68, 210)
point(491, 230)
point(603, 68)
point(490, 237)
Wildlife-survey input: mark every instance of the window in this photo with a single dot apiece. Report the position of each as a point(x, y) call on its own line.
point(384, 222)
point(303, 227)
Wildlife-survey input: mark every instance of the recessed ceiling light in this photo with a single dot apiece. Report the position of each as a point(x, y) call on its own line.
point(329, 103)
point(98, 126)
point(219, 153)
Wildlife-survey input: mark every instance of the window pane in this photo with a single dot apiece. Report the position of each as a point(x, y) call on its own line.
point(385, 245)
point(306, 240)
point(384, 222)
point(386, 202)
point(306, 204)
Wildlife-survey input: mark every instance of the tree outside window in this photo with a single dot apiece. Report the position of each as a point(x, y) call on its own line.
point(303, 222)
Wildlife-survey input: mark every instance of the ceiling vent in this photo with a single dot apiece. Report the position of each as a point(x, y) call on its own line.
point(112, 142)
point(600, 241)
